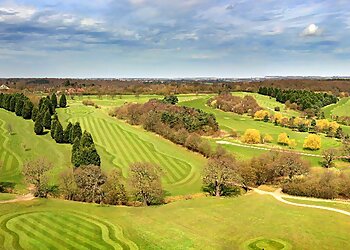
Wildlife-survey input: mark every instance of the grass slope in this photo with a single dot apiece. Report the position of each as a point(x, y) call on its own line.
point(120, 145)
point(230, 222)
point(340, 109)
point(23, 145)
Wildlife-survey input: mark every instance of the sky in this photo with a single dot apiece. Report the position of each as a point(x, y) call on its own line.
point(174, 38)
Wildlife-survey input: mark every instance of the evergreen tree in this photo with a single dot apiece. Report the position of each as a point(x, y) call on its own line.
point(89, 156)
point(58, 135)
point(53, 125)
point(11, 104)
point(76, 132)
point(27, 109)
point(54, 100)
point(38, 126)
point(19, 106)
point(75, 159)
point(47, 120)
point(67, 132)
point(63, 101)
point(86, 140)
point(34, 113)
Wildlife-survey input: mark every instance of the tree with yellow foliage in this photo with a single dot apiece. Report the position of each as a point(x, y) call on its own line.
point(261, 114)
point(267, 138)
point(283, 139)
point(251, 136)
point(278, 117)
point(312, 142)
point(292, 143)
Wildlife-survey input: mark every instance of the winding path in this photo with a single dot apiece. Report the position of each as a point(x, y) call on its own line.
point(279, 196)
point(27, 197)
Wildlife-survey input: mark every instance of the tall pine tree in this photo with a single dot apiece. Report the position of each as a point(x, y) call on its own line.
point(47, 120)
point(67, 132)
point(63, 101)
point(27, 109)
point(58, 135)
point(54, 100)
point(38, 126)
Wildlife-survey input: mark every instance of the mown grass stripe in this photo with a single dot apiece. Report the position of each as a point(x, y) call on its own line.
point(135, 145)
point(111, 231)
point(124, 143)
point(79, 235)
point(40, 238)
point(2, 158)
point(178, 167)
point(48, 226)
point(116, 148)
point(45, 231)
point(162, 161)
point(9, 163)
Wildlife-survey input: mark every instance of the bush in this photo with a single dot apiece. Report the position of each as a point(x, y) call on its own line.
point(88, 103)
point(251, 136)
point(312, 142)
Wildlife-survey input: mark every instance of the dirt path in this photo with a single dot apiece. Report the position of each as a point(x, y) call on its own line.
point(279, 196)
point(19, 198)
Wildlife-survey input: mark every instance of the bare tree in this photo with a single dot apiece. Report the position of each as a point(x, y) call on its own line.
point(145, 183)
point(329, 155)
point(220, 176)
point(35, 172)
point(68, 186)
point(114, 189)
point(89, 180)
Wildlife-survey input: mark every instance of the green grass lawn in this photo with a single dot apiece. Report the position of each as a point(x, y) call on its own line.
point(6, 196)
point(340, 109)
point(231, 121)
point(120, 144)
point(205, 223)
point(23, 145)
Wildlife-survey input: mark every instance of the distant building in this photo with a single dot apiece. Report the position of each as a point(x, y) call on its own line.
point(4, 87)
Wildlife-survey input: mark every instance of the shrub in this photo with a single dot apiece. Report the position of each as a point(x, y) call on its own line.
point(283, 139)
point(267, 138)
point(251, 136)
point(312, 142)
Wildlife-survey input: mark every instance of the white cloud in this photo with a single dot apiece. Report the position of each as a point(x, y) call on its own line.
point(311, 30)
point(16, 13)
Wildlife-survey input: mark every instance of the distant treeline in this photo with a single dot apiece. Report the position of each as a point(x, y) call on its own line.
point(165, 87)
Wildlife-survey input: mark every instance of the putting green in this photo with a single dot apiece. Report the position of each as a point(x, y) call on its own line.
point(266, 244)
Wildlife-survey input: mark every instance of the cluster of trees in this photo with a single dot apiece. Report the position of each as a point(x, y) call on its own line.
point(178, 124)
point(229, 103)
point(89, 184)
point(303, 98)
point(253, 136)
point(327, 185)
point(224, 175)
point(330, 128)
point(84, 151)
point(18, 103)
